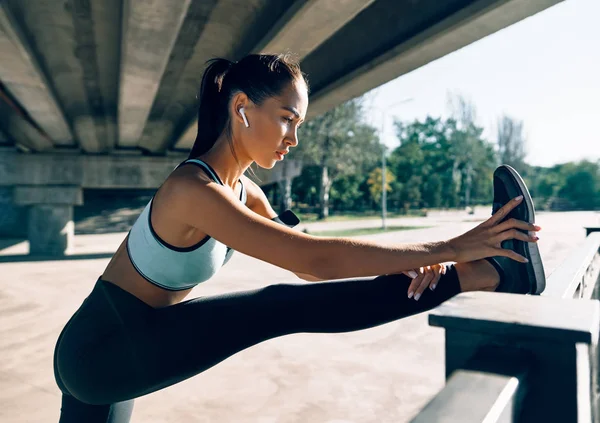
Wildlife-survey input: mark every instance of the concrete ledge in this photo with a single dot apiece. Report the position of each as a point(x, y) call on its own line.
point(520, 317)
point(27, 196)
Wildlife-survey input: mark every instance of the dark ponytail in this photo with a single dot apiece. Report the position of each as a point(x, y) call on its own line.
point(259, 76)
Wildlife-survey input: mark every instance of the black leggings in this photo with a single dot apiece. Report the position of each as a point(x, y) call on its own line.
point(116, 348)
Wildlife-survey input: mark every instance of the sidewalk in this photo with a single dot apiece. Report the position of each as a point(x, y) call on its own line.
point(384, 374)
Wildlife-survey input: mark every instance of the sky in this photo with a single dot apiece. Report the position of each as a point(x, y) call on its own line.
point(543, 70)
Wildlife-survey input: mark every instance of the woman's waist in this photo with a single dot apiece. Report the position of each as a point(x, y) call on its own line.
point(148, 293)
point(122, 273)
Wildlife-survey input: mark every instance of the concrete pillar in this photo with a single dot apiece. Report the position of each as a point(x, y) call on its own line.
point(50, 227)
point(13, 222)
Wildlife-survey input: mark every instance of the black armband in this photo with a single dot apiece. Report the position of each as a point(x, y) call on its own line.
point(287, 218)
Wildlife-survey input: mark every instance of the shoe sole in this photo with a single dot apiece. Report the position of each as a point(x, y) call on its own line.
point(534, 253)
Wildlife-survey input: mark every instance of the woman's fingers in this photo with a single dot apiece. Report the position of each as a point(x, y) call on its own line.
point(415, 283)
point(411, 274)
point(503, 212)
point(428, 275)
point(439, 270)
point(517, 224)
point(516, 234)
point(510, 254)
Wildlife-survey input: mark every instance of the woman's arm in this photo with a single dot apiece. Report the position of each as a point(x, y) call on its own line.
point(258, 202)
point(216, 211)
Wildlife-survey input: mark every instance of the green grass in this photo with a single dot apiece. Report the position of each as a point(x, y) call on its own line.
point(366, 231)
point(313, 217)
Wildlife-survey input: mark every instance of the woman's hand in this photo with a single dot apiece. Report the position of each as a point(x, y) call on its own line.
point(424, 277)
point(485, 239)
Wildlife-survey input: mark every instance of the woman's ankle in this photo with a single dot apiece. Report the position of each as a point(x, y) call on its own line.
point(477, 275)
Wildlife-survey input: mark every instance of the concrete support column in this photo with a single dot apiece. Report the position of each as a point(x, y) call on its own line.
point(50, 227)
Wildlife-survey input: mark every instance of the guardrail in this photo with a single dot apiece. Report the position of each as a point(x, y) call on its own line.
point(522, 358)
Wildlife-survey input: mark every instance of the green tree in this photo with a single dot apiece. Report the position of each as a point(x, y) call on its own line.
point(375, 182)
point(339, 143)
point(439, 162)
point(581, 185)
point(567, 186)
point(512, 143)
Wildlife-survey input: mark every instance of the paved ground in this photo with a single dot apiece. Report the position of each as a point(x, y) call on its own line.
point(385, 374)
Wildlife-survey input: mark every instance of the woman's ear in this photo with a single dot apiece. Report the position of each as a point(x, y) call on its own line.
point(239, 108)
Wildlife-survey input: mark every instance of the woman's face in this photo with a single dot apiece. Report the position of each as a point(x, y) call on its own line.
point(273, 126)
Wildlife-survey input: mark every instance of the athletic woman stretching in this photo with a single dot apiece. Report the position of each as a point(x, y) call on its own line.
point(134, 334)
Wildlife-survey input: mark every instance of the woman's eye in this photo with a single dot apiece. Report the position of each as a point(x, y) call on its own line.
point(288, 119)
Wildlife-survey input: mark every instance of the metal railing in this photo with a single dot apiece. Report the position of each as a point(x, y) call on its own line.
point(521, 358)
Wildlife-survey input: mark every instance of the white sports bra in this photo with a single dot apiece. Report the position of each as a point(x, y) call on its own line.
point(171, 267)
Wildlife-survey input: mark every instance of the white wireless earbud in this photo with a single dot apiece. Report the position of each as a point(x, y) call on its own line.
point(244, 117)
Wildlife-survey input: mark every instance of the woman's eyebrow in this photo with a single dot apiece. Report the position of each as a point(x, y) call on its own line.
point(292, 109)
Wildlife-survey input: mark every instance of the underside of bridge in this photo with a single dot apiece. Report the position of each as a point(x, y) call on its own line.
point(103, 93)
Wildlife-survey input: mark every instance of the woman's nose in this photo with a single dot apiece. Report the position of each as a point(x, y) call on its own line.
point(292, 139)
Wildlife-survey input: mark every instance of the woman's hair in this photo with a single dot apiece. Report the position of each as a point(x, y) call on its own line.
point(259, 76)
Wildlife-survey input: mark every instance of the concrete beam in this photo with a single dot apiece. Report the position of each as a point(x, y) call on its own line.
point(413, 38)
point(24, 79)
point(224, 28)
point(149, 33)
point(15, 124)
point(74, 44)
point(307, 24)
point(85, 171)
point(30, 195)
point(186, 141)
point(300, 30)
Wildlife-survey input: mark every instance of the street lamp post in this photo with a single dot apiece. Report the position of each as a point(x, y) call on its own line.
point(383, 181)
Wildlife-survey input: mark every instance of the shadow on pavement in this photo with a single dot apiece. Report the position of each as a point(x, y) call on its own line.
point(17, 258)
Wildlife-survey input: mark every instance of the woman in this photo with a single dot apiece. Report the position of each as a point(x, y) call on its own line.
point(133, 334)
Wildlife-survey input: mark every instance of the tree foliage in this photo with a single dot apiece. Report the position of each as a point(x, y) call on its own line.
point(340, 144)
point(439, 163)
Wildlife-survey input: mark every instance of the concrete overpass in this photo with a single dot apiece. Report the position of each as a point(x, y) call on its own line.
point(102, 93)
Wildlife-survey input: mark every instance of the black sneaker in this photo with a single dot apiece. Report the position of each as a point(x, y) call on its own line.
point(516, 277)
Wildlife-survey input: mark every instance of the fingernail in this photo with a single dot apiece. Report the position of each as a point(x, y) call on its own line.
point(410, 294)
point(519, 198)
point(412, 274)
point(417, 297)
point(433, 286)
point(526, 260)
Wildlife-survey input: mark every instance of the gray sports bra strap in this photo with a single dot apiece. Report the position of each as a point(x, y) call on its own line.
point(207, 168)
point(214, 176)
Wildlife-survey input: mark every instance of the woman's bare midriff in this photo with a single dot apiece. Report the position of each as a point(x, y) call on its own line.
point(120, 272)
